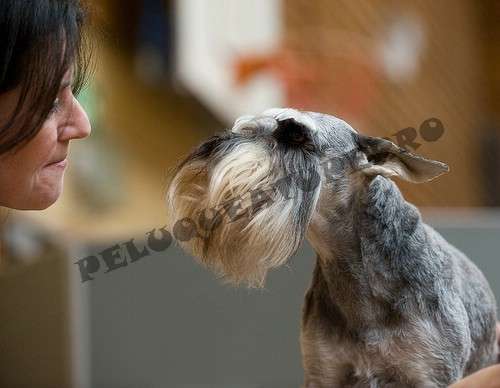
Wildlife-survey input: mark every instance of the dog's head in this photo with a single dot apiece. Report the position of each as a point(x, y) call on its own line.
point(242, 201)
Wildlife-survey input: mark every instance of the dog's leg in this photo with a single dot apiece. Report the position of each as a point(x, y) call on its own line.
point(498, 342)
point(321, 374)
point(343, 379)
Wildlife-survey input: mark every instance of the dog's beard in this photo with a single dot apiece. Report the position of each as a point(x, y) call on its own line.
point(242, 204)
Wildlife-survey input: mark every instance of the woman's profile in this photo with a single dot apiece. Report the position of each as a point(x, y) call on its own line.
point(42, 66)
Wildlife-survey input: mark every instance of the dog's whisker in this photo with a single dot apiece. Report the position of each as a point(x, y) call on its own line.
point(244, 249)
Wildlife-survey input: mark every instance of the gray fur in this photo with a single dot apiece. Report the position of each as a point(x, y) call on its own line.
point(394, 302)
point(391, 303)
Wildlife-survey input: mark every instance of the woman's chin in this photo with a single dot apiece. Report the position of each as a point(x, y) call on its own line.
point(47, 199)
point(38, 194)
point(40, 203)
point(44, 205)
point(43, 198)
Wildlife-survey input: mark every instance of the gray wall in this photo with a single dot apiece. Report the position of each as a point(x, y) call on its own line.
point(165, 322)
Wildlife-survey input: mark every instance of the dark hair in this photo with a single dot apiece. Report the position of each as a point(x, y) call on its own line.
point(40, 40)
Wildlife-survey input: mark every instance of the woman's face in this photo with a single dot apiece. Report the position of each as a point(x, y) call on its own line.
point(31, 177)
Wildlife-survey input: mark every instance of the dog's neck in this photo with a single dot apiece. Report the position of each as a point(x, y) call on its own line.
point(333, 231)
point(350, 240)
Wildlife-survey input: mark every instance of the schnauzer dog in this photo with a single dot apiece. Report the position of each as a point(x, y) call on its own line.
point(391, 303)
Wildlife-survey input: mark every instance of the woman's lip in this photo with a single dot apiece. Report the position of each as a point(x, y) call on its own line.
point(60, 164)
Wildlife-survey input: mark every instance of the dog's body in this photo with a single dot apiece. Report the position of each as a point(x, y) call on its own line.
point(400, 308)
point(391, 303)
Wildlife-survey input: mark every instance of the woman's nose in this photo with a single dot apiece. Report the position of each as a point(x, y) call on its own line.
point(78, 125)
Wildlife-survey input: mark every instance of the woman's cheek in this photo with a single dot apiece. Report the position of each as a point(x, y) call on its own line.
point(17, 182)
point(41, 184)
point(47, 181)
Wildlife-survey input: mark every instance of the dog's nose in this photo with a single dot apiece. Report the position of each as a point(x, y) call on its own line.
point(292, 132)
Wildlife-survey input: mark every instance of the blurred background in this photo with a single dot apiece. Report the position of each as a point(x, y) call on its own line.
point(425, 74)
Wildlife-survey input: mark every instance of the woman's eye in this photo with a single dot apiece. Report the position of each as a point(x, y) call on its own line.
point(55, 106)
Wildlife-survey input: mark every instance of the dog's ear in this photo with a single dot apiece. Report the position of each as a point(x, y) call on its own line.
point(382, 157)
